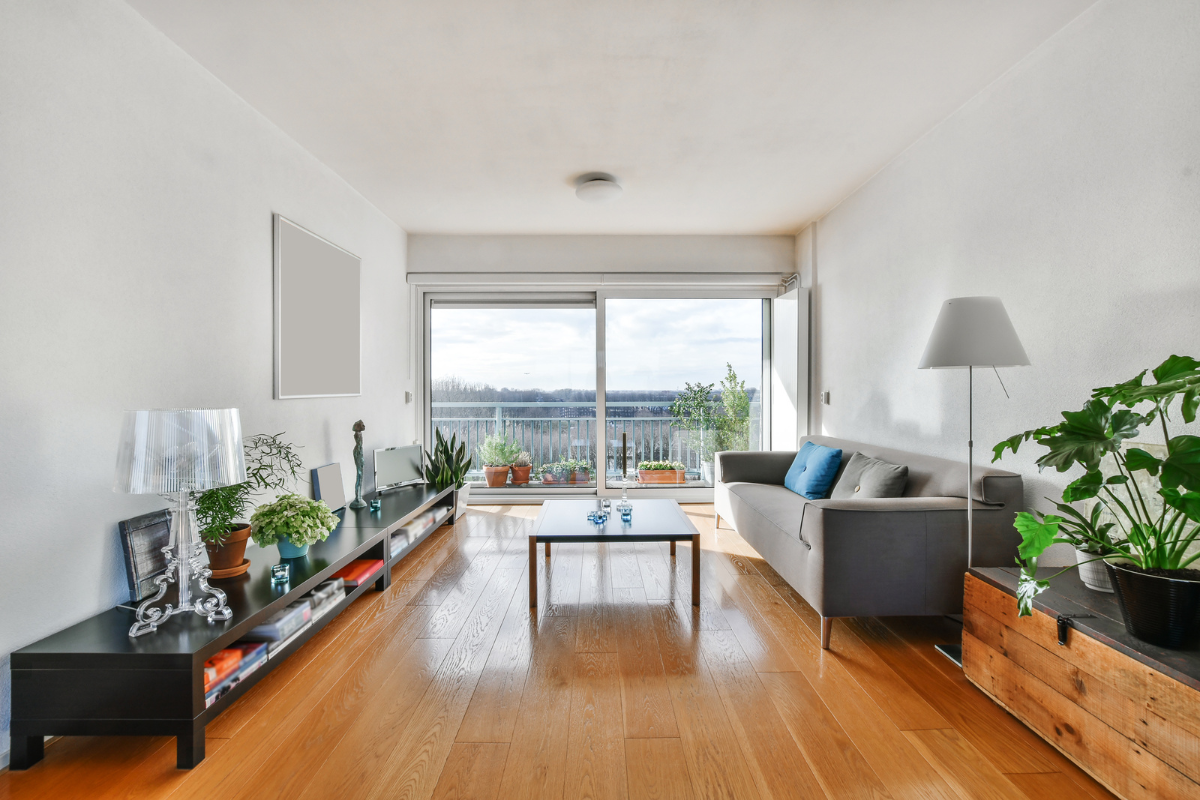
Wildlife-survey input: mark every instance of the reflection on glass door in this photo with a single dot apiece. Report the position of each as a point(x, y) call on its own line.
point(518, 386)
point(684, 381)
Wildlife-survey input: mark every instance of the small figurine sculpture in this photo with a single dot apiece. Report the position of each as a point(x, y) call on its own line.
point(358, 501)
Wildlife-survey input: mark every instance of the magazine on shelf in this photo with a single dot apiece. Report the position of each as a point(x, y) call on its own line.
point(251, 655)
point(283, 624)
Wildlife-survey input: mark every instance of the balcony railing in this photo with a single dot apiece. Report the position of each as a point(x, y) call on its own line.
point(551, 439)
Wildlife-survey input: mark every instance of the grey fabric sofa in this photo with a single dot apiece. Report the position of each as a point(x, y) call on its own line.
point(871, 557)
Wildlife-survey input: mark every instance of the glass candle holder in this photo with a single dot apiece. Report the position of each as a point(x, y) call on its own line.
point(280, 573)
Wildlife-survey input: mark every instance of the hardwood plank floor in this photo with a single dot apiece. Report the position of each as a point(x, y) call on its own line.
point(447, 685)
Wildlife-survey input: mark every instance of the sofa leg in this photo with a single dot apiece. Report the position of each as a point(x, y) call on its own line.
point(826, 631)
point(718, 520)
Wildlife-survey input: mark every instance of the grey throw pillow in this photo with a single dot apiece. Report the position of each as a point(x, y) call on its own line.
point(870, 477)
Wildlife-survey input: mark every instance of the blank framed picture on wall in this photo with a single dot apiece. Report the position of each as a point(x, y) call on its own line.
point(318, 340)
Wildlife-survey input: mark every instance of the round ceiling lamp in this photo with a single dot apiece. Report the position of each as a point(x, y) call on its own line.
point(598, 189)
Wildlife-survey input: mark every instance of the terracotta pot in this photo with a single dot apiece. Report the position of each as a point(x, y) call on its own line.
point(520, 475)
point(230, 553)
point(581, 477)
point(661, 476)
point(495, 476)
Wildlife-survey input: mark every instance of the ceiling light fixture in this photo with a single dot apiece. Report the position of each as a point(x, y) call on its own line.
point(594, 188)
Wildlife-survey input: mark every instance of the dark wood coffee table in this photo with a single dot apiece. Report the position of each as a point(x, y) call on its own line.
point(653, 521)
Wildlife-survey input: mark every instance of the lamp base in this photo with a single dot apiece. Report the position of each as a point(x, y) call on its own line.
point(183, 564)
point(952, 652)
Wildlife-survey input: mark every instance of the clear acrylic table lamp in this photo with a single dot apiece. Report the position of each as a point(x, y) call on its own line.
point(177, 453)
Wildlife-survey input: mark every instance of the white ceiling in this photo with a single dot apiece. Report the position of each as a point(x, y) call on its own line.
point(472, 116)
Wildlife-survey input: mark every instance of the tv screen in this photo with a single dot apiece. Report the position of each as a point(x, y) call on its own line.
point(399, 466)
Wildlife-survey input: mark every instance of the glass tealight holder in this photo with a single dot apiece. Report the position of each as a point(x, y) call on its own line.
point(280, 573)
point(376, 504)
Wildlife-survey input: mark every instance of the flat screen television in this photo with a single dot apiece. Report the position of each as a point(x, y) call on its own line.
point(399, 466)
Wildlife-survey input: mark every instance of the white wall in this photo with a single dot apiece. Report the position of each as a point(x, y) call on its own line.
point(135, 270)
point(559, 253)
point(1071, 189)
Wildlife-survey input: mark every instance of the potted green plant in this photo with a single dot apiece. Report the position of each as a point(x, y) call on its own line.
point(661, 472)
point(521, 467)
point(580, 471)
point(292, 522)
point(695, 414)
point(271, 465)
point(448, 465)
point(1148, 551)
point(553, 473)
point(497, 454)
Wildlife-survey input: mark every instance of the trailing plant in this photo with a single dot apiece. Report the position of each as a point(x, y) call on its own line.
point(660, 465)
point(565, 467)
point(271, 465)
point(292, 517)
point(1159, 539)
point(498, 451)
point(448, 464)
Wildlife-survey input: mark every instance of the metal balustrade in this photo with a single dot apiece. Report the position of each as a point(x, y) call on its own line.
point(552, 439)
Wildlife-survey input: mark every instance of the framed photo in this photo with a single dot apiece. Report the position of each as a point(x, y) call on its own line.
point(318, 340)
point(142, 541)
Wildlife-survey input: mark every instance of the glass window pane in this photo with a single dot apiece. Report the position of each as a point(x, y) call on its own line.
point(684, 380)
point(526, 375)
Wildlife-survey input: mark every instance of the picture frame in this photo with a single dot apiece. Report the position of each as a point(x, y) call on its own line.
point(318, 314)
point(142, 541)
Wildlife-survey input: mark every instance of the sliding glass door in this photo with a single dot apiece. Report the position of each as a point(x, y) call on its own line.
point(683, 380)
point(517, 383)
point(516, 380)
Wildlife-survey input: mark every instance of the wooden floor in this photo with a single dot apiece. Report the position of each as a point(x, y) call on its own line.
point(446, 685)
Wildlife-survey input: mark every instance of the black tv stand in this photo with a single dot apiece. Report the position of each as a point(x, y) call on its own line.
point(93, 679)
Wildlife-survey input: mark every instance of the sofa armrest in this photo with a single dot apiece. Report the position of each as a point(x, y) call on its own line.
point(760, 466)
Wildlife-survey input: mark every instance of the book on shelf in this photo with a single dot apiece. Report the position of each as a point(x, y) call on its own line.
point(326, 596)
point(359, 571)
point(283, 624)
point(248, 657)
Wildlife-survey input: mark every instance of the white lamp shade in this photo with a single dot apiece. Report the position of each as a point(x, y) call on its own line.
point(973, 332)
point(168, 450)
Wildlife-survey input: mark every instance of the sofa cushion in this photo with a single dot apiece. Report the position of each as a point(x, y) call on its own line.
point(813, 471)
point(869, 477)
point(781, 508)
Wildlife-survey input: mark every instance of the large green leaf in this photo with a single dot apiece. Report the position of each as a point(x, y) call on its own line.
point(1035, 536)
point(1182, 465)
point(1028, 587)
point(1084, 437)
point(1086, 487)
point(1176, 367)
point(1191, 402)
point(1137, 458)
point(1187, 502)
point(1121, 390)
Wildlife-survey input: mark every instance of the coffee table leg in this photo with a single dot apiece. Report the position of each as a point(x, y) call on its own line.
point(533, 562)
point(695, 569)
point(672, 547)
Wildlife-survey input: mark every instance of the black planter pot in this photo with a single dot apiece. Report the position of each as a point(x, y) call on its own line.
point(1157, 610)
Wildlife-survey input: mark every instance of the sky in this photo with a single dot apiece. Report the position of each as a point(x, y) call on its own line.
point(652, 344)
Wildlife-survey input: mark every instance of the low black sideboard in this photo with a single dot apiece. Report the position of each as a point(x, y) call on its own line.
point(93, 679)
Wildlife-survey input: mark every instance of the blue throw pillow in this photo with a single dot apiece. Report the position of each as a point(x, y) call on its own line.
point(813, 470)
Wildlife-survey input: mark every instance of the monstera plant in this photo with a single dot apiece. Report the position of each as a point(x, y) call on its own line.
point(1149, 540)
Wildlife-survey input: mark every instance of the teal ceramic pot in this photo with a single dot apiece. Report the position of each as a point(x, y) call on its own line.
point(289, 550)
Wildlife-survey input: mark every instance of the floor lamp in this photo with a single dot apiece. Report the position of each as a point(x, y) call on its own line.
point(972, 332)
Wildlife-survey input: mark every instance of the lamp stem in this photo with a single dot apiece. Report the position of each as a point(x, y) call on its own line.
point(970, 461)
